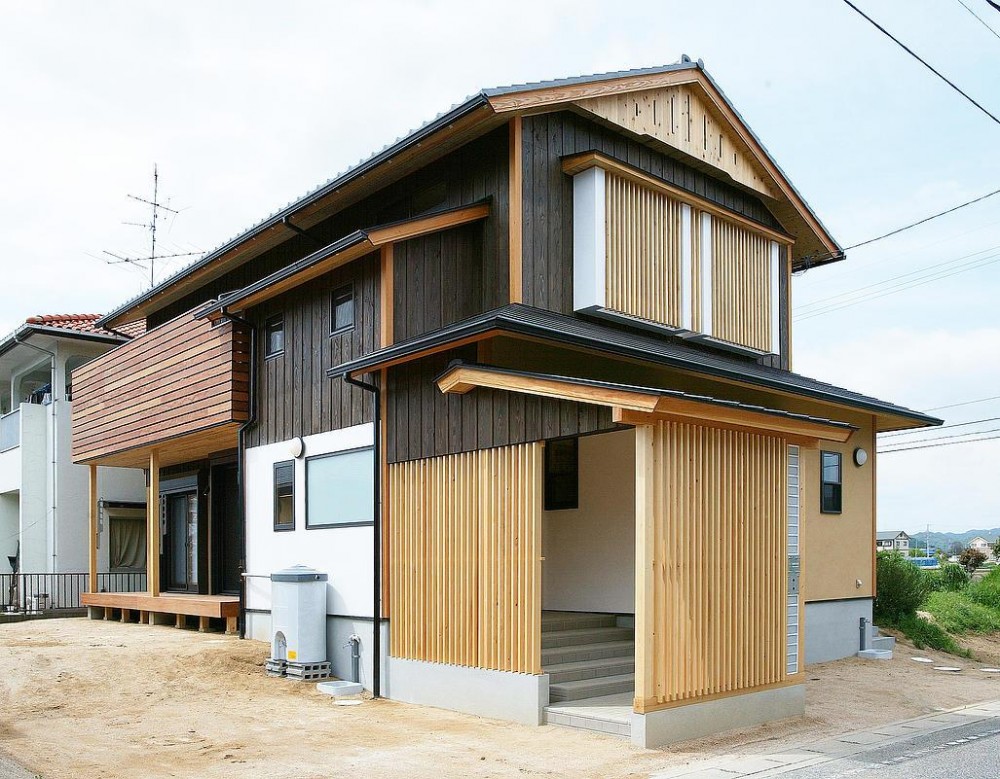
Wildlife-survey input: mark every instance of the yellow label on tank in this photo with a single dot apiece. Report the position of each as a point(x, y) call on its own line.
point(292, 654)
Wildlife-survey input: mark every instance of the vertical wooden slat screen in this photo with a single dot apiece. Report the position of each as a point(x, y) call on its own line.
point(465, 558)
point(741, 286)
point(711, 563)
point(643, 252)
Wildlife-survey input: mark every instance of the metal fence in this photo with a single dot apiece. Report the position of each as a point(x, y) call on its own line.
point(36, 592)
point(10, 430)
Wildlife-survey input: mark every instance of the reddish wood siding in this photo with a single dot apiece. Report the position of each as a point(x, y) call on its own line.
point(181, 378)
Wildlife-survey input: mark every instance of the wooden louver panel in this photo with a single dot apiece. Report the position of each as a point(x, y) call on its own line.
point(465, 558)
point(181, 378)
point(643, 252)
point(741, 286)
point(711, 568)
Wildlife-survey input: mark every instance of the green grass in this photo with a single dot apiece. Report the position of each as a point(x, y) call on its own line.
point(926, 634)
point(957, 612)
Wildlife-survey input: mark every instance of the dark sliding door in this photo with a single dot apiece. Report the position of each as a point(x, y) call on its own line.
point(182, 541)
point(227, 531)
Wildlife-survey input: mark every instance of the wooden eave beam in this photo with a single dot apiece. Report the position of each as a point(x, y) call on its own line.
point(463, 379)
point(581, 162)
point(374, 239)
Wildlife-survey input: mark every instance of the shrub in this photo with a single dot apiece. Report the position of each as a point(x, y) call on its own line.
point(971, 559)
point(957, 612)
point(901, 587)
point(926, 634)
point(987, 591)
point(950, 578)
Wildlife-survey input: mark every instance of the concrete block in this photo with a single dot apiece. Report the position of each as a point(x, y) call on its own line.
point(875, 654)
point(339, 688)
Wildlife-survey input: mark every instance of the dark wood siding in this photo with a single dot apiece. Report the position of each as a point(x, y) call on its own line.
point(294, 395)
point(548, 196)
point(477, 171)
point(438, 279)
point(421, 421)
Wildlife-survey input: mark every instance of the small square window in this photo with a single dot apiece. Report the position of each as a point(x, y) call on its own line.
point(274, 336)
point(562, 474)
point(284, 495)
point(342, 315)
point(831, 482)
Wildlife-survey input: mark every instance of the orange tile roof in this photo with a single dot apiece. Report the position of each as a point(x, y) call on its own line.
point(84, 323)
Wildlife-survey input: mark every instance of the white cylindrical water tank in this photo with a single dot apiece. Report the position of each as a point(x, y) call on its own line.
point(298, 615)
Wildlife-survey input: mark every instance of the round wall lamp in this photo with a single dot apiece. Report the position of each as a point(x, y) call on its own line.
point(296, 447)
point(860, 456)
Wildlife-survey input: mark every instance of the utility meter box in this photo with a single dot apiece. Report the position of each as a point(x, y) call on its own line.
point(298, 615)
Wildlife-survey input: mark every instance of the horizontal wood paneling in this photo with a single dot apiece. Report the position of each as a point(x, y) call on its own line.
point(643, 252)
point(711, 568)
point(295, 396)
point(465, 559)
point(424, 422)
point(177, 380)
point(741, 286)
point(548, 196)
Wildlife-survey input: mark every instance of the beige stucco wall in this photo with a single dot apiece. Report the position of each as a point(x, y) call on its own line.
point(838, 549)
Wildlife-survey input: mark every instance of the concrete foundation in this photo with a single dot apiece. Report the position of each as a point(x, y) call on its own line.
point(695, 720)
point(831, 628)
point(497, 694)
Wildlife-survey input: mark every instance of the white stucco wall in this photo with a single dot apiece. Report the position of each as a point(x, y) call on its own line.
point(343, 553)
point(590, 551)
point(9, 513)
point(35, 514)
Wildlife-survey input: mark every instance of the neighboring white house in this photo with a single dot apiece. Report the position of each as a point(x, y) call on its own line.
point(43, 496)
point(892, 541)
point(983, 545)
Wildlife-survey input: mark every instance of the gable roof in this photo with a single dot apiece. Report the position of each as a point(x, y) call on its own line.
point(528, 322)
point(478, 114)
point(79, 326)
point(889, 535)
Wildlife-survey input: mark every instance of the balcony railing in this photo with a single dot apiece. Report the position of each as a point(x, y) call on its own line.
point(26, 593)
point(10, 430)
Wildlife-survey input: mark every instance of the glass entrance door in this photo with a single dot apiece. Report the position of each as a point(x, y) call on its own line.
point(182, 541)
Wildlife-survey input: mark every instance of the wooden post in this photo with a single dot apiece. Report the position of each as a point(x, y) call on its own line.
point(203, 624)
point(386, 294)
point(153, 526)
point(645, 465)
point(92, 546)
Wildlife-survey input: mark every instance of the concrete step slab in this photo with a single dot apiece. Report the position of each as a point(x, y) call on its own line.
point(591, 688)
point(589, 669)
point(581, 636)
point(570, 620)
point(569, 654)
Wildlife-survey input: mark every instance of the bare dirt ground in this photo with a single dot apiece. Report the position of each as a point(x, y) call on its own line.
point(102, 699)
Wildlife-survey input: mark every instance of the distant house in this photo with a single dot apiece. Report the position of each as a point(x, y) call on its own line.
point(892, 541)
point(983, 545)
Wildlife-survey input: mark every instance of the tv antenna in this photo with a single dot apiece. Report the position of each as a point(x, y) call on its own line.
point(157, 212)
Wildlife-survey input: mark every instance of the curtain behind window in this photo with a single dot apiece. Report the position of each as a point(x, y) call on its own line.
point(127, 546)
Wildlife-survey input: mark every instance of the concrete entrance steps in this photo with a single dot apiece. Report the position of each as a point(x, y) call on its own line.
point(609, 714)
point(587, 656)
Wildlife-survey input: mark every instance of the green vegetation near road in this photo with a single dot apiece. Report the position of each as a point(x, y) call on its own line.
point(956, 605)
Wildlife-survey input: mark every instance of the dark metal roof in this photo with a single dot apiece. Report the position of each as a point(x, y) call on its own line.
point(659, 392)
point(572, 331)
point(472, 103)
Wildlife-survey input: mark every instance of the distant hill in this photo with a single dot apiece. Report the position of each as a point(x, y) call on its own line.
point(945, 540)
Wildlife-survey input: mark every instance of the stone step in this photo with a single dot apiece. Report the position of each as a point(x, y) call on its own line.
point(573, 719)
point(570, 654)
point(570, 620)
point(883, 643)
point(875, 654)
point(591, 688)
point(585, 636)
point(589, 669)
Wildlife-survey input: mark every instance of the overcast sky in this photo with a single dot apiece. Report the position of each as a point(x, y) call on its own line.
point(247, 105)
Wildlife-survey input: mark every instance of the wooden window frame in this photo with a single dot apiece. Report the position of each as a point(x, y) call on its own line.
point(280, 527)
point(340, 291)
point(549, 503)
point(839, 483)
point(269, 323)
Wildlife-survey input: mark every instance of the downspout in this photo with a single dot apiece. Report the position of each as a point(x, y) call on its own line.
point(55, 454)
point(240, 474)
point(376, 535)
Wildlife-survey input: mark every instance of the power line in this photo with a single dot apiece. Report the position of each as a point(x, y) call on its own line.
point(979, 19)
point(922, 61)
point(934, 446)
point(941, 427)
point(963, 403)
point(970, 434)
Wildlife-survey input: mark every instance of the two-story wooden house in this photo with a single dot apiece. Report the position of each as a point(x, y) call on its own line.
point(521, 385)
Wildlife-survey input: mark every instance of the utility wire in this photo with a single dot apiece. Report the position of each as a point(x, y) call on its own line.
point(922, 61)
point(979, 18)
point(963, 403)
point(897, 444)
point(934, 446)
point(942, 427)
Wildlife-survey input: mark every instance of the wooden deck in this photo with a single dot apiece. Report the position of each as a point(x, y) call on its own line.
point(158, 609)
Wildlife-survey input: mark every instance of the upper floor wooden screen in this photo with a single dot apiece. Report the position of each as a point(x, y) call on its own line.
point(185, 377)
